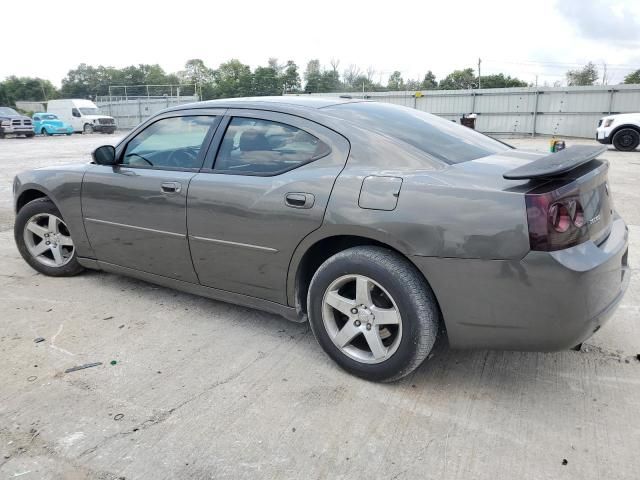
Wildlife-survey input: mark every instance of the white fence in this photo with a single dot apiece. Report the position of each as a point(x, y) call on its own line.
point(129, 112)
point(563, 111)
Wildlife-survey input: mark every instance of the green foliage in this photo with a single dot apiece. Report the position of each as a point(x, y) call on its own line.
point(459, 80)
point(587, 75)
point(395, 81)
point(14, 88)
point(500, 81)
point(429, 81)
point(633, 77)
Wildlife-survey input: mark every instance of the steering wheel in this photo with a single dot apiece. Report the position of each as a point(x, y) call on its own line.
point(139, 156)
point(178, 158)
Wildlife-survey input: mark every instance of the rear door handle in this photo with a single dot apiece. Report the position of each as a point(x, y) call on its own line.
point(299, 200)
point(171, 187)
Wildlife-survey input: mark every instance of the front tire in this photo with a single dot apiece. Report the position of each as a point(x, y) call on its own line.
point(626, 140)
point(44, 241)
point(88, 128)
point(373, 313)
point(45, 132)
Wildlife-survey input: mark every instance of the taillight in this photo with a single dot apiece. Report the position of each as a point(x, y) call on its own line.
point(555, 223)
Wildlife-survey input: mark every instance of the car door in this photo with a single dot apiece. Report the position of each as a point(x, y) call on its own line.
point(135, 212)
point(266, 190)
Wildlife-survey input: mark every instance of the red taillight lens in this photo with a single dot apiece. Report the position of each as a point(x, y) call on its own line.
point(554, 223)
point(559, 217)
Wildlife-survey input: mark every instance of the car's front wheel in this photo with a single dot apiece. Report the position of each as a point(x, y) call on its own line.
point(373, 313)
point(44, 131)
point(44, 240)
point(626, 140)
point(88, 128)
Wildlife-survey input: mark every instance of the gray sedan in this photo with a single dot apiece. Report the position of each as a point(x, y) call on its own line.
point(380, 225)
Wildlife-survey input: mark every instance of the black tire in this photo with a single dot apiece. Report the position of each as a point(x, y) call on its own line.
point(30, 135)
point(412, 295)
point(87, 129)
point(35, 207)
point(44, 132)
point(626, 140)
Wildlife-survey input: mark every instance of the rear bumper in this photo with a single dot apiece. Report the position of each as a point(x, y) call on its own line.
point(547, 301)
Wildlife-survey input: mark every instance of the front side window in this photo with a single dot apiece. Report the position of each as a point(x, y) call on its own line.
point(169, 143)
point(89, 111)
point(262, 147)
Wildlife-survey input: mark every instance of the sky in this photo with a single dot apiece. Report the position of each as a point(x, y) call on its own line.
point(529, 39)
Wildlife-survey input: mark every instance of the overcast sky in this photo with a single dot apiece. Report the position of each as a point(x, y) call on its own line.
point(520, 38)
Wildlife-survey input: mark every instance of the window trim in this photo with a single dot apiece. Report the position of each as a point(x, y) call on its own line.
point(204, 146)
point(257, 115)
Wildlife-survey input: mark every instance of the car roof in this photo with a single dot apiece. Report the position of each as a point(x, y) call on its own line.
point(276, 103)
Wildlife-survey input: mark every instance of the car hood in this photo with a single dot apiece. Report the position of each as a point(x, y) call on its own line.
point(14, 117)
point(53, 123)
point(96, 117)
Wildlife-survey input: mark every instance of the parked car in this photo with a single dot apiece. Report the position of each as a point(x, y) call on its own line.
point(50, 124)
point(82, 115)
point(13, 123)
point(622, 131)
point(377, 223)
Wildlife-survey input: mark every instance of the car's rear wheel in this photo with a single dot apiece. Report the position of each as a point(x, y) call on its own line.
point(44, 240)
point(88, 128)
point(626, 140)
point(373, 313)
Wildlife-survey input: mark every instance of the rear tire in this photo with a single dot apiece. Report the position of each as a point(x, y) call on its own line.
point(44, 240)
point(387, 317)
point(626, 140)
point(87, 128)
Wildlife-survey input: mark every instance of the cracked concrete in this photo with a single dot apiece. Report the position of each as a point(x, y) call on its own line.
point(203, 389)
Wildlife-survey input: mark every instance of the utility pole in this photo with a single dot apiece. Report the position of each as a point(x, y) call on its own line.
point(479, 81)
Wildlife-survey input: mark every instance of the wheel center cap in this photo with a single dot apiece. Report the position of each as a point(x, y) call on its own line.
point(365, 315)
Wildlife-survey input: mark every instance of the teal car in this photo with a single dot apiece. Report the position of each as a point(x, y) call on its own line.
point(50, 124)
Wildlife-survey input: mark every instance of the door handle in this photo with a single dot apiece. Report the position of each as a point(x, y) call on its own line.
point(299, 200)
point(171, 187)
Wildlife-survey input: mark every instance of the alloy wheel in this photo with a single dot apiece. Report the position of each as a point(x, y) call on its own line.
point(48, 240)
point(362, 319)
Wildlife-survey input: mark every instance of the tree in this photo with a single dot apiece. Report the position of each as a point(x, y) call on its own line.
point(233, 79)
point(350, 75)
point(587, 75)
point(429, 81)
point(266, 81)
point(312, 76)
point(459, 80)
point(291, 77)
point(395, 81)
point(14, 89)
point(633, 77)
point(500, 81)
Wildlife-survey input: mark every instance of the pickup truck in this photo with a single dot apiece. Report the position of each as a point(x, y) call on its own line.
point(621, 130)
point(12, 123)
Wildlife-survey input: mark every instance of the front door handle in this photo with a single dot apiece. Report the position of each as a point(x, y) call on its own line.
point(171, 187)
point(299, 200)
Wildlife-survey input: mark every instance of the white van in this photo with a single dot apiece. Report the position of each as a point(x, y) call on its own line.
point(83, 115)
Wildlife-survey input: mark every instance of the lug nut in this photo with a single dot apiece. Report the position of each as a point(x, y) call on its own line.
point(357, 323)
point(48, 243)
point(368, 326)
point(354, 310)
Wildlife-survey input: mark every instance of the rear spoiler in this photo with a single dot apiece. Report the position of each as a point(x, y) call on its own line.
point(556, 164)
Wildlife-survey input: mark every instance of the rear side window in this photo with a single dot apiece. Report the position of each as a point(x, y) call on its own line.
point(440, 138)
point(262, 147)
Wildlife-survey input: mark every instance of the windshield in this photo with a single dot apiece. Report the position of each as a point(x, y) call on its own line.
point(440, 138)
point(49, 117)
point(8, 111)
point(89, 111)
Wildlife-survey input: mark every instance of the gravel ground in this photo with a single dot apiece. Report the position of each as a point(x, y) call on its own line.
point(202, 389)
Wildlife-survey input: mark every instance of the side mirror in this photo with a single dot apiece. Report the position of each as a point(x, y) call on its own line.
point(105, 155)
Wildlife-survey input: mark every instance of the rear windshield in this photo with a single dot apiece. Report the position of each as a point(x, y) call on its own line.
point(440, 138)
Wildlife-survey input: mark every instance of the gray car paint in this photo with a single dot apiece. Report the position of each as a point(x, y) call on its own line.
point(463, 226)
